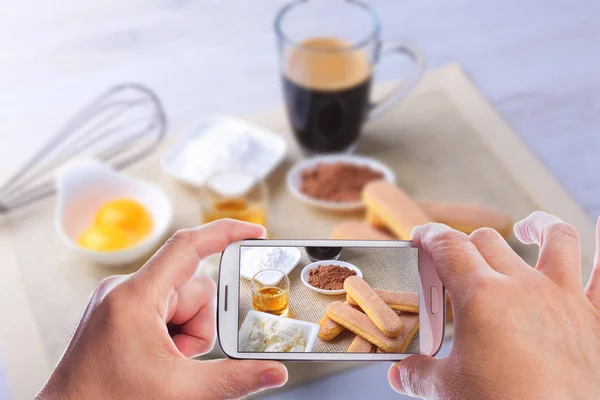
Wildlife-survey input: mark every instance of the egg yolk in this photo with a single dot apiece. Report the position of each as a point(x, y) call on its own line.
point(128, 215)
point(118, 224)
point(104, 238)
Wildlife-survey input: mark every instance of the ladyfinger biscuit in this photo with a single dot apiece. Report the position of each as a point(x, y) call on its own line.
point(329, 329)
point(358, 230)
point(411, 326)
point(467, 217)
point(361, 324)
point(374, 220)
point(361, 345)
point(394, 207)
point(396, 300)
point(380, 313)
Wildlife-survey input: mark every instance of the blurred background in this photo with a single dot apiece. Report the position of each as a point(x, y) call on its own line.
point(535, 63)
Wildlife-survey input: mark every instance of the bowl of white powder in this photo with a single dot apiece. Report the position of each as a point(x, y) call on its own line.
point(221, 143)
point(255, 259)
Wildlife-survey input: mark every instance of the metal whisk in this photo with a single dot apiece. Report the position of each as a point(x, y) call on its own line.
point(120, 127)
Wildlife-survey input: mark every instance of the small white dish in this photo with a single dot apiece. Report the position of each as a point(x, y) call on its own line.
point(205, 151)
point(294, 179)
point(247, 271)
point(304, 275)
point(309, 330)
point(85, 185)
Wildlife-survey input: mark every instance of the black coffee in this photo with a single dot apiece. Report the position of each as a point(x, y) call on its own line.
point(323, 253)
point(326, 88)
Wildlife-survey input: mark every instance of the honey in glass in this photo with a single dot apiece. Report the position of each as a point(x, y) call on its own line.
point(236, 208)
point(272, 300)
point(235, 195)
point(270, 292)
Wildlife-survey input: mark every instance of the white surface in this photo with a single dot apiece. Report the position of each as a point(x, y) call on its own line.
point(536, 61)
point(294, 179)
point(84, 186)
point(256, 259)
point(224, 144)
point(304, 275)
point(308, 330)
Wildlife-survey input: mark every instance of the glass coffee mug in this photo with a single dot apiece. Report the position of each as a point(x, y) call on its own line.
point(327, 65)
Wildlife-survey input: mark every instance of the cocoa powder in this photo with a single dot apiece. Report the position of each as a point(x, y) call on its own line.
point(338, 181)
point(329, 277)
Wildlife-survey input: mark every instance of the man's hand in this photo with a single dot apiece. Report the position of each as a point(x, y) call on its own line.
point(122, 347)
point(519, 332)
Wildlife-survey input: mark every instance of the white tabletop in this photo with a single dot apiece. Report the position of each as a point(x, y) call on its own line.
point(537, 62)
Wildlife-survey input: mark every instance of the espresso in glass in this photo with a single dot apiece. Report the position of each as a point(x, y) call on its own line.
point(327, 65)
point(326, 85)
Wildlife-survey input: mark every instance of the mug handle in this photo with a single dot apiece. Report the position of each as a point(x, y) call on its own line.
point(402, 89)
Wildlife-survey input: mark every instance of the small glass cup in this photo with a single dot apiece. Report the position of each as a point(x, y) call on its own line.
point(270, 292)
point(237, 195)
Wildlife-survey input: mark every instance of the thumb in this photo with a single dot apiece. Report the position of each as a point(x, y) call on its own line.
point(416, 376)
point(231, 379)
point(174, 264)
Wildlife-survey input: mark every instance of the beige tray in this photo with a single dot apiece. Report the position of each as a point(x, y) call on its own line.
point(444, 142)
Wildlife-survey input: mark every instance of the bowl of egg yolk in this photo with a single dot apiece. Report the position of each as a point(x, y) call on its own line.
point(108, 217)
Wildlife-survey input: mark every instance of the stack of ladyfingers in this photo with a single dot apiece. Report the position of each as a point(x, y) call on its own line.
point(372, 315)
point(391, 214)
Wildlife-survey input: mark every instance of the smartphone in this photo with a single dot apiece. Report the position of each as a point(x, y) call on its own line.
point(333, 300)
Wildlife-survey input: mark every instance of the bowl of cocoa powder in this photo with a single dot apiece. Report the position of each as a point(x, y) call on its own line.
point(327, 276)
point(335, 182)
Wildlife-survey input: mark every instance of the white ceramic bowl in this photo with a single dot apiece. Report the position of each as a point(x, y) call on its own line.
point(294, 179)
point(305, 274)
point(309, 330)
point(84, 186)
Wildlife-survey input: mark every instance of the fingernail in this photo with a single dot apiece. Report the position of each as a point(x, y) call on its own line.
point(414, 230)
point(271, 378)
point(394, 378)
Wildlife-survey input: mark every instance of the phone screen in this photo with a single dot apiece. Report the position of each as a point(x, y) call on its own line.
point(328, 300)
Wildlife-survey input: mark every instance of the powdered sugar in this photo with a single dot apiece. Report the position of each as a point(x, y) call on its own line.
point(255, 259)
point(225, 145)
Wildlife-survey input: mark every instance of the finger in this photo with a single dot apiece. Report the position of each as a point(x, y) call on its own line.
point(195, 313)
point(175, 263)
point(592, 289)
point(497, 253)
point(415, 376)
point(560, 257)
point(457, 261)
point(231, 379)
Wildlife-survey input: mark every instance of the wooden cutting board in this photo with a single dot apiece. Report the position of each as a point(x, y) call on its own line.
point(444, 142)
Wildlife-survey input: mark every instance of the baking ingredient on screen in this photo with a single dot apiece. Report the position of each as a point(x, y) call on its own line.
point(329, 277)
point(270, 335)
point(254, 259)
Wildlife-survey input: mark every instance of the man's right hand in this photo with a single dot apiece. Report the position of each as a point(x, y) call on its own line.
point(519, 332)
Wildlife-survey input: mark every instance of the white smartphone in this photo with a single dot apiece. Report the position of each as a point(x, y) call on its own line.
point(286, 300)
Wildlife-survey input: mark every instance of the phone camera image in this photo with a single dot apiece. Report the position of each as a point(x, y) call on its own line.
point(328, 300)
